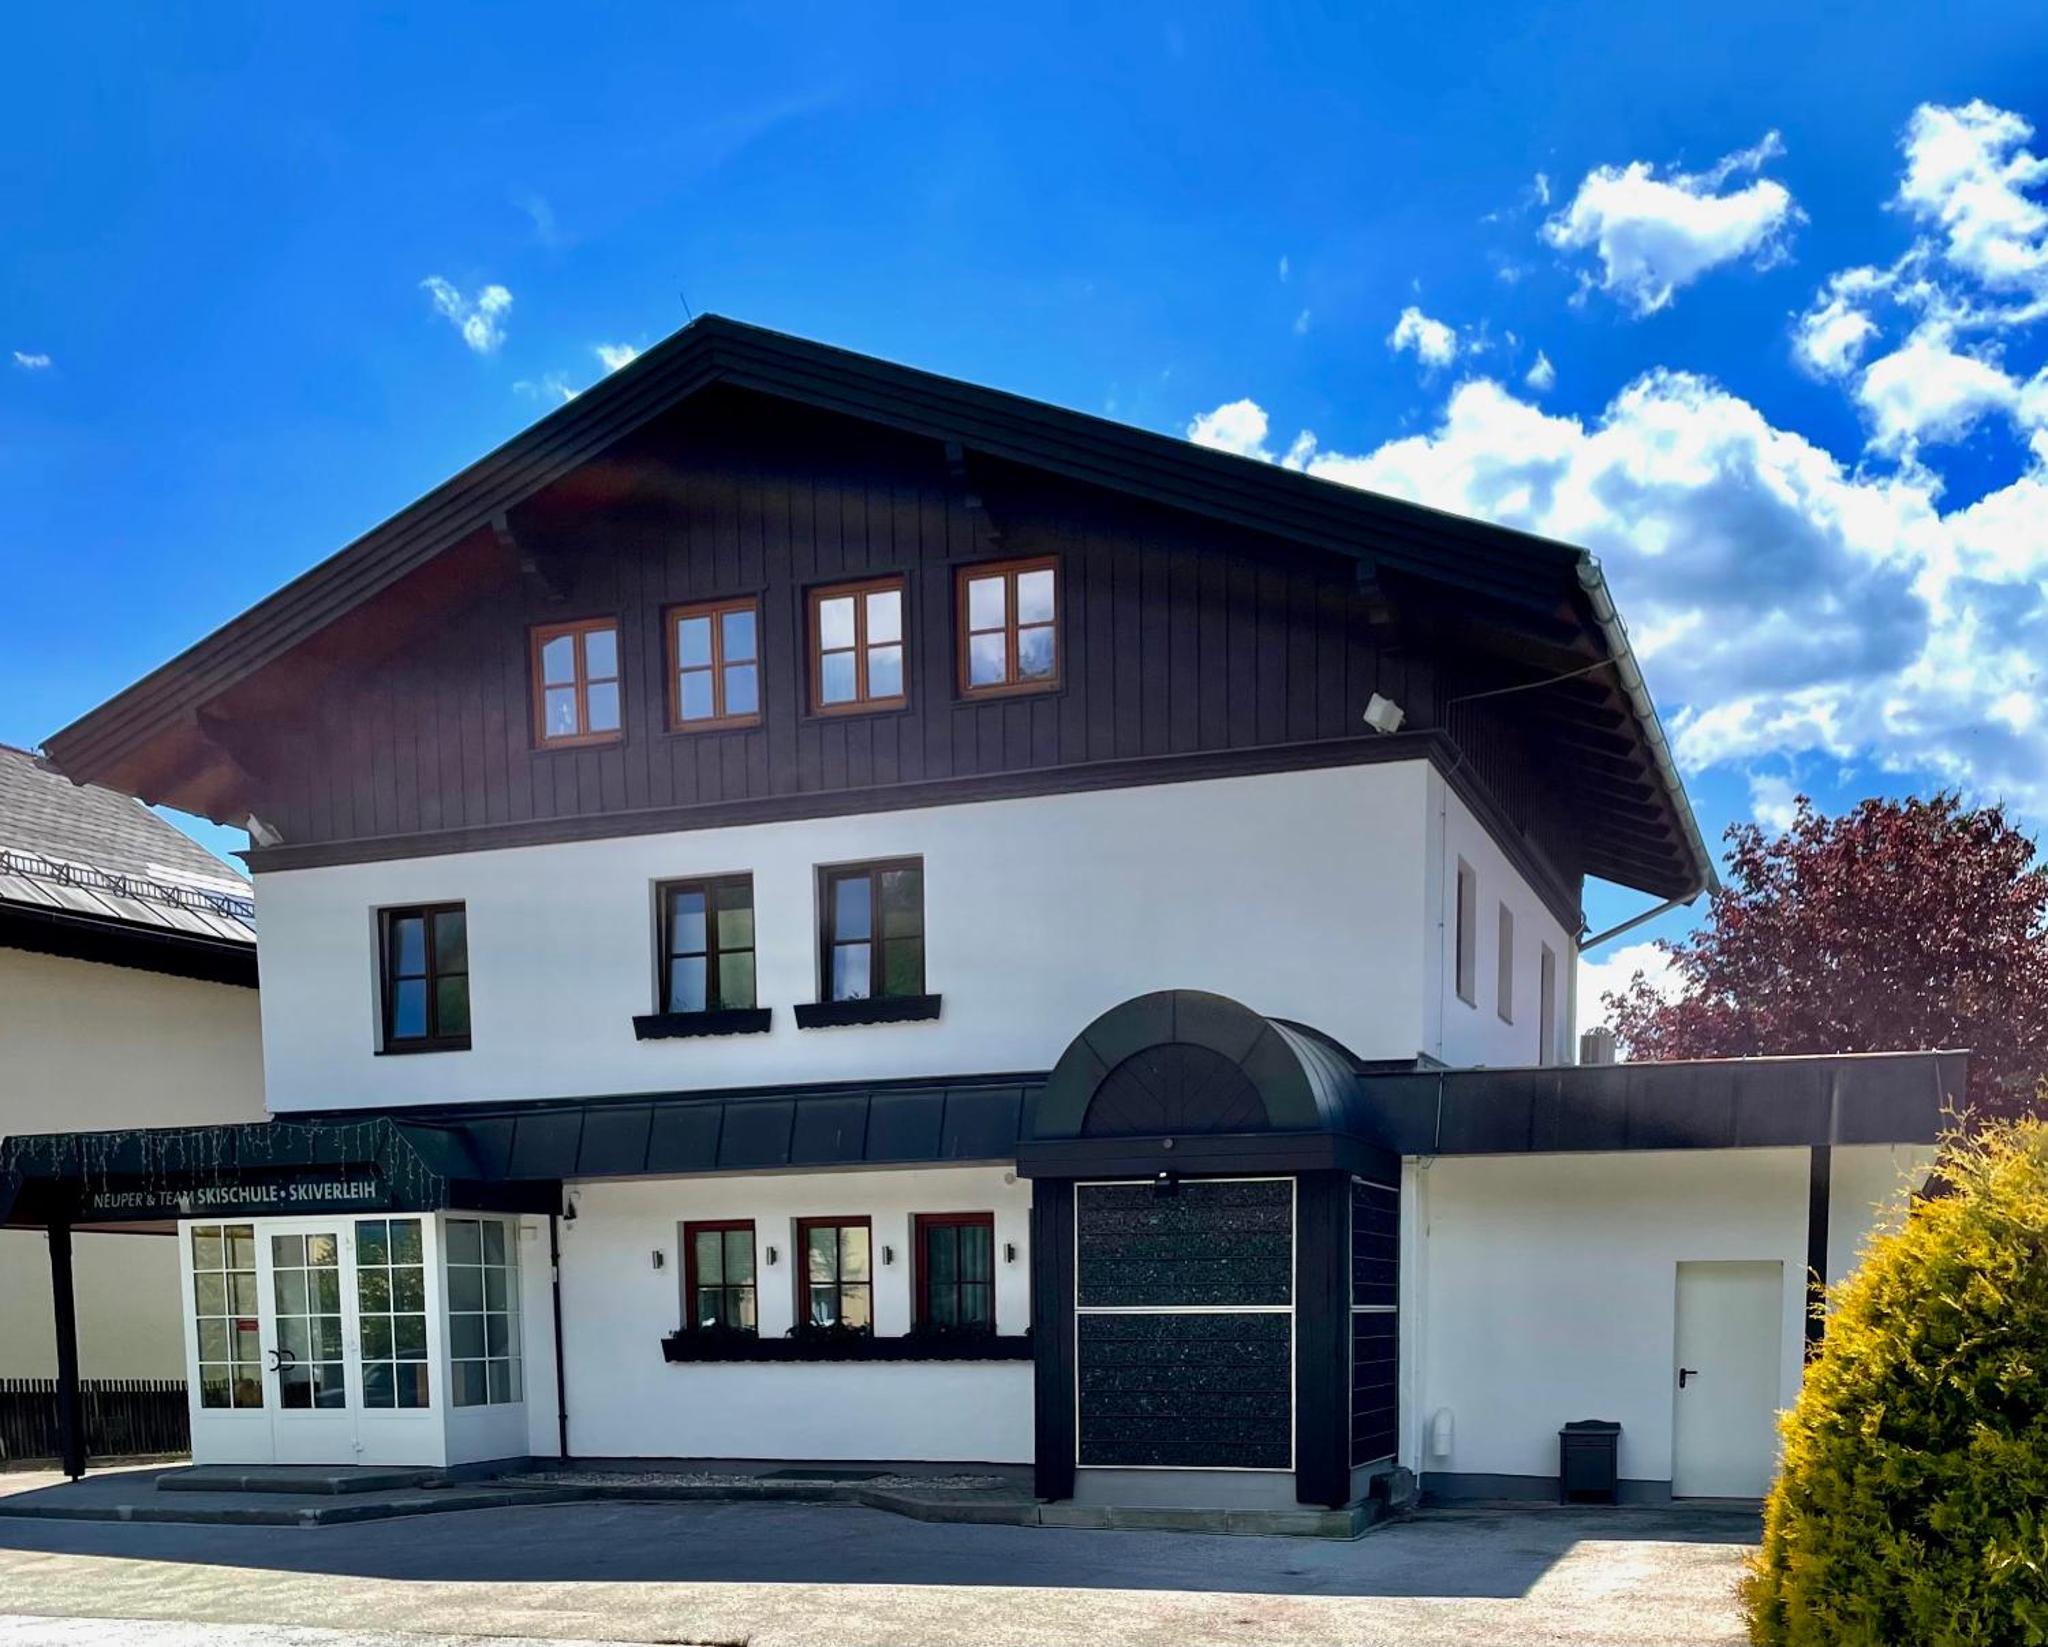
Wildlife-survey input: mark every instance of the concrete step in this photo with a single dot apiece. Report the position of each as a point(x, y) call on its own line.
point(295, 1479)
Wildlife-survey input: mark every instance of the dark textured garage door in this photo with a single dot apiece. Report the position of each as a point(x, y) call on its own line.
point(1185, 1328)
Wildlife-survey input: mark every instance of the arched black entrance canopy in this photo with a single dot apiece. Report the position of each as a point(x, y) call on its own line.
point(1187, 1081)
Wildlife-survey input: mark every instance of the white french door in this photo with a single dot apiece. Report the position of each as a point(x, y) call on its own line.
point(314, 1340)
point(311, 1377)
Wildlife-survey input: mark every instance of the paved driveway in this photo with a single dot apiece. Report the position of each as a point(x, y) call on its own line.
point(783, 1575)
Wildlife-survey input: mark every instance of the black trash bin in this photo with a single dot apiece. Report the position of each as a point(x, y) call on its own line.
point(1589, 1462)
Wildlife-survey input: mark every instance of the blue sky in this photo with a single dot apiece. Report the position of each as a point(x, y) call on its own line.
point(1753, 306)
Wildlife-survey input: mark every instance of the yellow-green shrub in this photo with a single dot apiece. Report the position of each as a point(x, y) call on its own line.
point(1912, 1509)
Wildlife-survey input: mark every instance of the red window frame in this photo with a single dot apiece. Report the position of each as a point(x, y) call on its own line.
point(720, 1226)
point(802, 1258)
point(924, 1221)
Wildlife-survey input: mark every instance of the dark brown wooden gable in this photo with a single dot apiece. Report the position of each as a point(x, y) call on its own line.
point(1183, 636)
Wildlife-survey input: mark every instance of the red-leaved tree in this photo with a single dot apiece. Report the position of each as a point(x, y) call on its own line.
point(1901, 924)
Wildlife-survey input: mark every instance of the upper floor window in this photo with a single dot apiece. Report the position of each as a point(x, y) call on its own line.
point(718, 1274)
point(576, 682)
point(1465, 966)
point(1546, 1006)
point(1504, 967)
point(857, 646)
point(714, 663)
point(834, 1284)
point(956, 1271)
point(872, 942)
point(426, 978)
point(1009, 627)
point(707, 944)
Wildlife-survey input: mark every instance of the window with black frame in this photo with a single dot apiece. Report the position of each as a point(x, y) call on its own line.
point(835, 1277)
point(956, 1272)
point(718, 1282)
point(872, 944)
point(707, 944)
point(426, 978)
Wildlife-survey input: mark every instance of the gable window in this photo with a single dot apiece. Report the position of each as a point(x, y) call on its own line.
point(834, 1283)
point(872, 943)
point(483, 1311)
point(1546, 1007)
point(718, 1275)
point(707, 944)
point(714, 665)
point(956, 1271)
point(426, 978)
point(1008, 623)
point(1504, 968)
point(1466, 963)
point(857, 647)
point(576, 683)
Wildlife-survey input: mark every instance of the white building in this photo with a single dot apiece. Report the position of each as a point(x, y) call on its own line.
point(127, 999)
point(813, 911)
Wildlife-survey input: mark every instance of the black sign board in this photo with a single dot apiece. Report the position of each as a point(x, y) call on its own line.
point(259, 1194)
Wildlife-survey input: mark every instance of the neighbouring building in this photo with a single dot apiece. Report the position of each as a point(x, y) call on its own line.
point(815, 911)
point(127, 999)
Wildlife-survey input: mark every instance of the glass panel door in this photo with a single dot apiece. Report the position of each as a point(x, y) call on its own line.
point(224, 1359)
point(306, 1365)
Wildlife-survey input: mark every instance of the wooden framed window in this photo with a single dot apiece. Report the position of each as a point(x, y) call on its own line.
point(426, 978)
point(1465, 962)
point(1008, 624)
point(871, 942)
point(707, 944)
point(576, 683)
point(714, 665)
point(857, 647)
point(956, 1271)
point(718, 1275)
point(834, 1273)
point(1504, 967)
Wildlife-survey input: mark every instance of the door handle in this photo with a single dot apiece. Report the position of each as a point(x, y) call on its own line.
point(282, 1360)
point(1686, 1372)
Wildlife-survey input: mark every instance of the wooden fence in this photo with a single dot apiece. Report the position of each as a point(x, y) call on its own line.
point(123, 1417)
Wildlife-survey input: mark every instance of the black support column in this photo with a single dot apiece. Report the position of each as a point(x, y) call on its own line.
point(1322, 1338)
point(70, 1418)
point(1052, 1336)
point(1819, 1183)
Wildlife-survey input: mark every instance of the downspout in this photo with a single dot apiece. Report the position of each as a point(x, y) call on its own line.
point(561, 1366)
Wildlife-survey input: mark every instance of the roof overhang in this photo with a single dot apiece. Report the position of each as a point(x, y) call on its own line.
point(165, 738)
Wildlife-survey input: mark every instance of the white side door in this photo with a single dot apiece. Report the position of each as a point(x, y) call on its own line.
point(1731, 1323)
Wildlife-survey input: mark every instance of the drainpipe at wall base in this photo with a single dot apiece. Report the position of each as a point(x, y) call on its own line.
point(561, 1370)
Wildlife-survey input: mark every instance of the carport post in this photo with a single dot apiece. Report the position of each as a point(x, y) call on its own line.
point(70, 1429)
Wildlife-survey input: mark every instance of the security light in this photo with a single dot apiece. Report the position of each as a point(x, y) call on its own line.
point(1382, 714)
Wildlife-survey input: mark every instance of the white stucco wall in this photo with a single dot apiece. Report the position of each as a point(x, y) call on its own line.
point(1297, 893)
point(1541, 1289)
point(88, 1046)
point(625, 1401)
point(1464, 1032)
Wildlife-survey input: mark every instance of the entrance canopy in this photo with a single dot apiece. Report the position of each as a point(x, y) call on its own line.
point(156, 1174)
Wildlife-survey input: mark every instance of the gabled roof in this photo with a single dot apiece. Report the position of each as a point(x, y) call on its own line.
point(95, 875)
point(1540, 605)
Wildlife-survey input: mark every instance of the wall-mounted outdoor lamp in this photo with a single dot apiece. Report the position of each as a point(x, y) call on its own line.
point(771, 1258)
point(888, 1256)
point(660, 1258)
point(1165, 1183)
point(1009, 1252)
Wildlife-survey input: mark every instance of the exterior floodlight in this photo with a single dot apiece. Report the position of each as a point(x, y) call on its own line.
point(1382, 714)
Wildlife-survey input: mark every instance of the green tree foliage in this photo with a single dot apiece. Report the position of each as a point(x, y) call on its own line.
point(1913, 1503)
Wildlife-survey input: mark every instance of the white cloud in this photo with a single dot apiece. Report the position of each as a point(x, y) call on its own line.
point(1286, 269)
point(1301, 324)
point(1967, 176)
point(1542, 377)
point(1831, 336)
point(1928, 391)
point(1773, 801)
point(480, 321)
point(550, 386)
point(31, 362)
point(1782, 603)
point(614, 355)
point(1239, 427)
point(1611, 976)
point(1655, 234)
point(1431, 341)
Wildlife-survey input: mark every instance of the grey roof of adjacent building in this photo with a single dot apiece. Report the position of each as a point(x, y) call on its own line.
point(78, 851)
